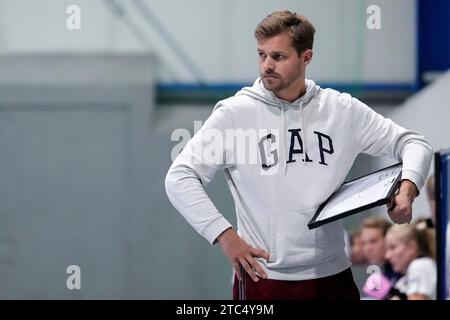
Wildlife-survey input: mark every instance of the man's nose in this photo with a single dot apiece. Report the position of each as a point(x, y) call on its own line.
point(268, 64)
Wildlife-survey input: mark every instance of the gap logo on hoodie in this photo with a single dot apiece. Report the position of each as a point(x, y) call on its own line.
point(268, 149)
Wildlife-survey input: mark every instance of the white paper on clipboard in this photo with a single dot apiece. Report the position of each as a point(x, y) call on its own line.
point(358, 195)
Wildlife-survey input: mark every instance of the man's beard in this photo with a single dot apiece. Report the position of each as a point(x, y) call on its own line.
point(275, 84)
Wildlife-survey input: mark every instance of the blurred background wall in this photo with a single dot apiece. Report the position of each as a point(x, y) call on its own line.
point(217, 36)
point(87, 115)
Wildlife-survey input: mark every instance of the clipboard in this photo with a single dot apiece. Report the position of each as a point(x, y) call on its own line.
point(368, 191)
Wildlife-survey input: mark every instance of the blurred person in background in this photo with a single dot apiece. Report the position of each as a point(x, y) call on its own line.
point(357, 248)
point(373, 234)
point(410, 250)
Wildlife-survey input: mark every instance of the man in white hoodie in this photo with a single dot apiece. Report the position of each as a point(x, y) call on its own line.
point(307, 139)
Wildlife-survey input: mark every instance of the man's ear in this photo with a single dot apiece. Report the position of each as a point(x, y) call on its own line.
point(307, 56)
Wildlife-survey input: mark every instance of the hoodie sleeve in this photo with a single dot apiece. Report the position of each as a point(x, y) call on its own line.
point(375, 135)
point(207, 152)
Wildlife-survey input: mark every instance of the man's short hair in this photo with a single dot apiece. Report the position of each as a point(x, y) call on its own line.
point(298, 27)
point(377, 223)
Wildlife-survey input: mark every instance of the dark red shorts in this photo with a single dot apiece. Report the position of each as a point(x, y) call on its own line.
point(336, 287)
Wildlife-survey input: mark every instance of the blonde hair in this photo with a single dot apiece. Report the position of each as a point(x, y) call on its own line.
point(377, 223)
point(424, 238)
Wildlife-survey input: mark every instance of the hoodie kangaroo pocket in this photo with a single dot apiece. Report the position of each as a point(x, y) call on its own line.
point(293, 244)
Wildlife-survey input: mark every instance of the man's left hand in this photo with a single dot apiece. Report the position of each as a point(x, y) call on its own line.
point(400, 209)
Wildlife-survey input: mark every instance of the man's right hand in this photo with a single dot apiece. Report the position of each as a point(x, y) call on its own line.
point(241, 253)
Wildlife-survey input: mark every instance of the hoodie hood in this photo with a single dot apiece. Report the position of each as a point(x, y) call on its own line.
point(259, 92)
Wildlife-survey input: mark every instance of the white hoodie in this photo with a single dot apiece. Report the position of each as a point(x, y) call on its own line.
point(304, 151)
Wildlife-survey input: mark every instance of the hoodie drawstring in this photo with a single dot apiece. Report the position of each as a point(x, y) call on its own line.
point(283, 143)
point(283, 140)
point(303, 132)
point(260, 93)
